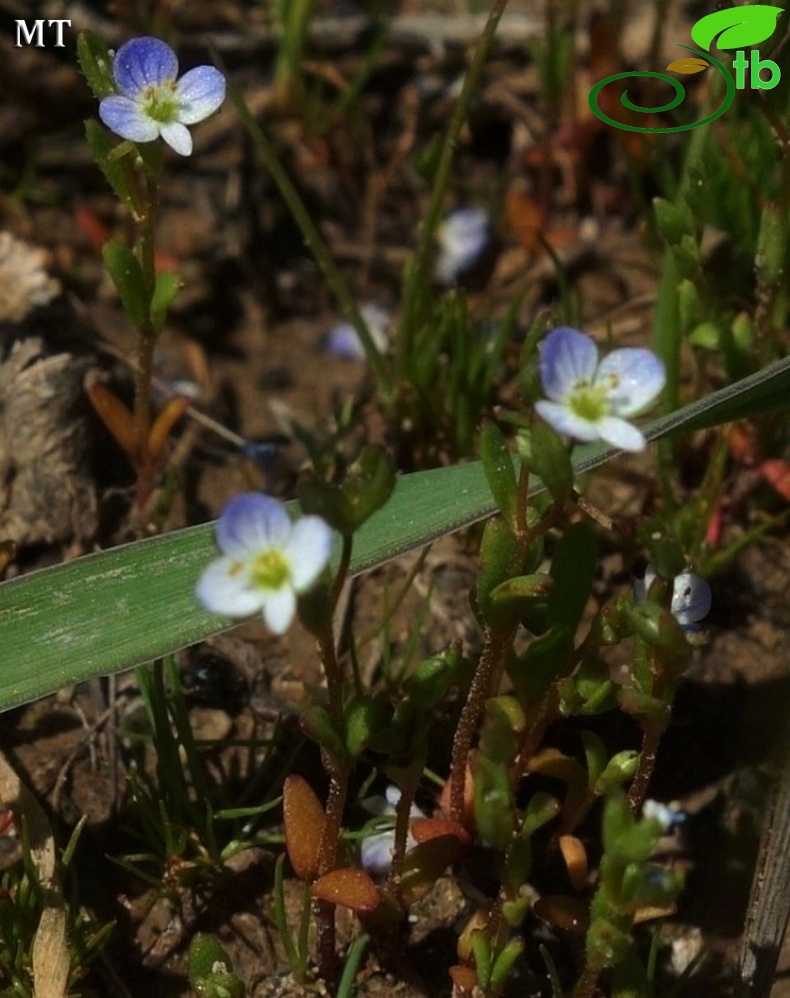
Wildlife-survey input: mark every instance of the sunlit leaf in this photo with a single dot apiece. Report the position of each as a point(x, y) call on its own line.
point(352, 888)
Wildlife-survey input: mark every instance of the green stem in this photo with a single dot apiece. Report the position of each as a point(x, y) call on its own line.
point(288, 75)
point(419, 265)
point(585, 986)
point(313, 240)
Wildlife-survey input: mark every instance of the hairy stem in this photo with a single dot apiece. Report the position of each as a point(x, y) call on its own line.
point(486, 677)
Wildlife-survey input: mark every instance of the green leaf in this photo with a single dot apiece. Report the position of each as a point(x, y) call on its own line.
point(96, 64)
point(573, 570)
point(167, 286)
point(498, 468)
point(116, 169)
point(546, 454)
point(737, 27)
point(112, 610)
point(128, 279)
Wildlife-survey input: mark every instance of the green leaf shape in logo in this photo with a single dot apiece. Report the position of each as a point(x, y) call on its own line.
point(737, 27)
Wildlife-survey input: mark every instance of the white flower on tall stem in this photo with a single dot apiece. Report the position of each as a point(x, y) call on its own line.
point(266, 561)
point(151, 101)
point(592, 399)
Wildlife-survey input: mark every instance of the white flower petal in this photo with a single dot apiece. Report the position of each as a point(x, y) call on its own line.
point(665, 814)
point(620, 433)
point(462, 238)
point(691, 598)
point(560, 418)
point(279, 608)
point(199, 93)
point(567, 357)
point(637, 377)
point(224, 588)
point(308, 550)
point(642, 586)
point(250, 523)
point(343, 341)
point(122, 116)
point(177, 137)
point(375, 852)
point(142, 63)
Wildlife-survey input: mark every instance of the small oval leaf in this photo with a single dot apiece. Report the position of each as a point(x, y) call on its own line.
point(688, 66)
point(424, 864)
point(426, 829)
point(352, 888)
point(303, 817)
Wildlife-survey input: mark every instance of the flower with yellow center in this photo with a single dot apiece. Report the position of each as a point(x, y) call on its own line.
point(266, 560)
point(592, 399)
point(151, 101)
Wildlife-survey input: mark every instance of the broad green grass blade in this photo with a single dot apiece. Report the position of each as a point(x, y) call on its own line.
point(115, 609)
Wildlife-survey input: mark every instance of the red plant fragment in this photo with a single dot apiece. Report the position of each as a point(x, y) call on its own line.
point(116, 416)
point(464, 979)
point(351, 888)
point(425, 829)
point(163, 425)
point(304, 824)
point(777, 473)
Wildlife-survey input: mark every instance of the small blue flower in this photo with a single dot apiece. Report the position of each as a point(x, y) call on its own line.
point(462, 237)
point(151, 101)
point(591, 399)
point(666, 815)
point(692, 597)
point(342, 340)
point(267, 560)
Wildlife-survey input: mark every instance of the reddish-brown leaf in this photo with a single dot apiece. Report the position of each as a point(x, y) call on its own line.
point(777, 473)
point(304, 820)
point(425, 829)
point(351, 888)
point(163, 425)
point(116, 417)
point(464, 979)
point(575, 856)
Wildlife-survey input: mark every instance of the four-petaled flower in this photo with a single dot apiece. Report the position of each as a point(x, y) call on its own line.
point(151, 102)
point(591, 399)
point(267, 560)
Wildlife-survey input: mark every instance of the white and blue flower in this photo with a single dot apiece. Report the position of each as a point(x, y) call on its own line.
point(343, 340)
point(592, 399)
point(151, 101)
point(266, 561)
point(462, 237)
point(692, 597)
point(666, 815)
